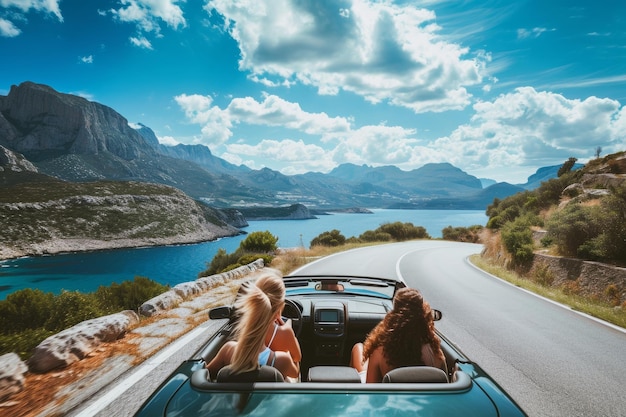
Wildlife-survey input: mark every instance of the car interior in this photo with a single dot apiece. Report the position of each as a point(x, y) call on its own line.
point(328, 322)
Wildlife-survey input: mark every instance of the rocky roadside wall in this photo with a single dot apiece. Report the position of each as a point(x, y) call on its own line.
point(77, 342)
point(594, 279)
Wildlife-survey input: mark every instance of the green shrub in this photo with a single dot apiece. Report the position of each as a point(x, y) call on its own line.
point(517, 238)
point(259, 242)
point(374, 236)
point(571, 227)
point(70, 308)
point(25, 309)
point(403, 231)
point(462, 234)
point(129, 295)
point(249, 258)
point(23, 342)
point(220, 262)
point(331, 238)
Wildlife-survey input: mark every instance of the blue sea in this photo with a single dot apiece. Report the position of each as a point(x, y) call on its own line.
point(86, 271)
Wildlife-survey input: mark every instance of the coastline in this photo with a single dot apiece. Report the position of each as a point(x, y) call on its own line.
point(59, 246)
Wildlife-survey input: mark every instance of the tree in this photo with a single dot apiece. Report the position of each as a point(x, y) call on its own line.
point(598, 150)
point(567, 166)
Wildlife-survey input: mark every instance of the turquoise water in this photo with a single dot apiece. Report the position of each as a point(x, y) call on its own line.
point(175, 264)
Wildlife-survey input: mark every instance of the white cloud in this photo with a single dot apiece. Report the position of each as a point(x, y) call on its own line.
point(533, 128)
point(523, 33)
point(299, 156)
point(141, 42)
point(8, 29)
point(274, 111)
point(343, 142)
point(379, 50)
point(46, 6)
point(168, 140)
point(87, 59)
point(148, 13)
point(216, 123)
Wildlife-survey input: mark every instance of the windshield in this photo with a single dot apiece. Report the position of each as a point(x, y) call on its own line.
point(373, 287)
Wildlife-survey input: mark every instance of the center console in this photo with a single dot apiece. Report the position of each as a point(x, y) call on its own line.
point(329, 327)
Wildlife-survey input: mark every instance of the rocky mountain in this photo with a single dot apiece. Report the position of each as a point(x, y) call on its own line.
point(544, 174)
point(35, 217)
point(198, 154)
point(70, 138)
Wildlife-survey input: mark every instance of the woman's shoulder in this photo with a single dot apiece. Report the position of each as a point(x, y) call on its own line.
point(228, 348)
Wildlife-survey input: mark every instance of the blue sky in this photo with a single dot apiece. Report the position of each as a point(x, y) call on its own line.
point(498, 88)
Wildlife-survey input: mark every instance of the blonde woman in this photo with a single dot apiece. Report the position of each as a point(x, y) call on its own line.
point(256, 318)
point(281, 337)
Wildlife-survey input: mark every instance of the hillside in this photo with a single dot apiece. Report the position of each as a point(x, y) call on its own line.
point(37, 218)
point(580, 214)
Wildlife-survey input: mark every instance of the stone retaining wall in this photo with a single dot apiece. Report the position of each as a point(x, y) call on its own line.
point(594, 279)
point(76, 342)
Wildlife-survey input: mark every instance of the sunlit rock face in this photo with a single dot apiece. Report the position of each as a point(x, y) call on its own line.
point(14, 162)
point(46, 123)
point(12, 371)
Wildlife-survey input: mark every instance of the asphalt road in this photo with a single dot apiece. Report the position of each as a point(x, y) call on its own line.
point(550, 359)
point(553, 361)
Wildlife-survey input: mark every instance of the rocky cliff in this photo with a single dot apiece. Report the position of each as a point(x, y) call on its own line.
point(47, 124)
point(38, 219)
point(292, 212)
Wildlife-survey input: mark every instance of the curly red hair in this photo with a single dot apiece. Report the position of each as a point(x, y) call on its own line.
point(404, 330)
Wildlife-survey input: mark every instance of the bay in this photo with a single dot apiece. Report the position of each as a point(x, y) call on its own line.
point(86, 271)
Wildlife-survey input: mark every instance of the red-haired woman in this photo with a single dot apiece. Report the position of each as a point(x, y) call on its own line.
point(405, 337)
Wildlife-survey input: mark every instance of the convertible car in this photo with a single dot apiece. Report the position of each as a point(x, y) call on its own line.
point(329, 314)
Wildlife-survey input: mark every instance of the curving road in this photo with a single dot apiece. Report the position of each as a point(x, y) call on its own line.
point(552, 360)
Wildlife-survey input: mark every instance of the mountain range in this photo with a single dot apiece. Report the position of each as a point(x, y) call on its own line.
point(71, 138)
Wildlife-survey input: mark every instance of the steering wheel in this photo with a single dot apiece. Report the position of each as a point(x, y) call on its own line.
point(292, 311)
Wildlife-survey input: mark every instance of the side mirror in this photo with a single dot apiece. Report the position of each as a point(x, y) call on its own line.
point(218, 313)
point(437, 315)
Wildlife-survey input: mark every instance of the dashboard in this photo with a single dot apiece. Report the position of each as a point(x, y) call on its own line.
point(330, 326)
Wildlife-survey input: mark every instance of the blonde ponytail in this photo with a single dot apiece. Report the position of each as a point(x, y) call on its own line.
point(256, 312)
point(274, 287)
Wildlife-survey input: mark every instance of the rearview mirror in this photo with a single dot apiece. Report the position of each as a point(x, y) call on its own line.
point(218, 313)
point(437, 315)
point(329, 286)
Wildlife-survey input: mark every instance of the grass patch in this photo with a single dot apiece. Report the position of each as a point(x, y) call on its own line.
point(288, 260)
point(604, 311)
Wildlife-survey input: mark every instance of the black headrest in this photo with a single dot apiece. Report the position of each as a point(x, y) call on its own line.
point(333, 374)
point(262, 374)
point(416, 374)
